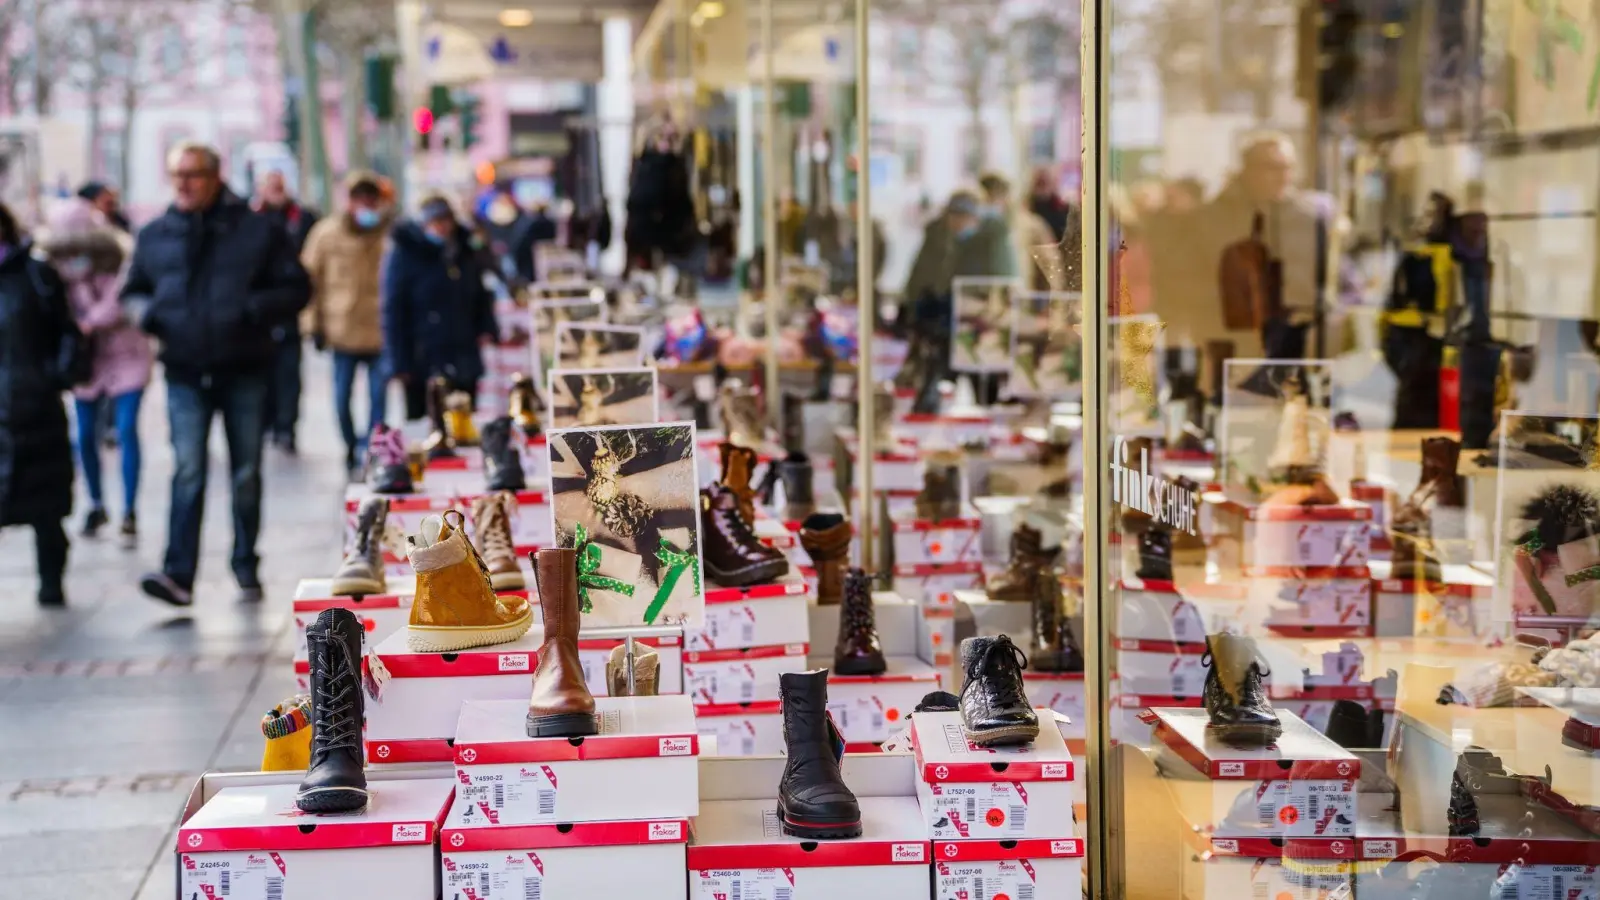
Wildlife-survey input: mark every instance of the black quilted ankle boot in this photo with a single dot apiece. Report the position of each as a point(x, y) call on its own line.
point(994, 707)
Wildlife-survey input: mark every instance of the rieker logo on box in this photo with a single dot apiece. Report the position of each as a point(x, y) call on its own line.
point(666, 831)
point(410, 832)
point(909, 853)
point(678, 746)
point(513, 662)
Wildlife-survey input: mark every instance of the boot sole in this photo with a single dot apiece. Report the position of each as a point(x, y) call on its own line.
point(509, 581)
point(1002, 737)
point(331, 800)
point(804, 828)
point(433, 639)
point(756, 574)
point(562, 725)
point(356, 587)
point(866, 666)
point(1246, 735)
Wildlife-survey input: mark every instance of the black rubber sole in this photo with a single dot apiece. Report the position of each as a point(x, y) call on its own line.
point(860, 666)
point(813, 830)
point(331, 800)
point(562, 725)
point(756, 574)
point(1246, 735)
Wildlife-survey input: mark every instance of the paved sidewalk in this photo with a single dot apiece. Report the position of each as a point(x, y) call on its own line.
point(114, 705)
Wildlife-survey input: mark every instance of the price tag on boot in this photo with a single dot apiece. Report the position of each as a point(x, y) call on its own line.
point(745, 884)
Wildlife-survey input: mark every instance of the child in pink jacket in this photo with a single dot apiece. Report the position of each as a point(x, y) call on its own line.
point(88, 253)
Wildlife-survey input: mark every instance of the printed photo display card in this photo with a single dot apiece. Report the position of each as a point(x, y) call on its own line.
point(980, 334)
point(582, 345)
point(627, 499)
point(582, 398)
point(1046, 345)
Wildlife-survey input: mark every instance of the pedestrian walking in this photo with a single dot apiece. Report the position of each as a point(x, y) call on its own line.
point(212, 280)
point(344, 257)
point(283, 399)
point(88, 251)
point(437, 313)
point(41, 354)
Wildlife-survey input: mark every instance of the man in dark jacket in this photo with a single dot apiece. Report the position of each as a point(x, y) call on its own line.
point(437, 313)
point(212, 281)
point(283, 397)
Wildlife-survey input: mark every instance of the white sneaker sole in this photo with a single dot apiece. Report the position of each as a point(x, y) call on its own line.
point(353, 587)
point(509, 581)
point(439, 639)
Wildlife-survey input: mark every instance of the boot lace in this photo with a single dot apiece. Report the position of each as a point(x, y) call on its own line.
point(858, 614)
point(494, 528)
point(741, 530)
point(335, 725)
point(999, 667)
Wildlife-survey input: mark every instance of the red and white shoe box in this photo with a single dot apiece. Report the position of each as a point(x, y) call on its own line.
point(717, 677)
point(242, 838)
point(992, 793)
point(936, 584)
point(380, 614)
point(893, 469)
point(753, 618)
point(600, 859)
point(536, 462)
point(739, 850)
point(936, 636)
point(951, 429)
point(1062, 692)
point(595, 652)
point(1303, 785)
point(895, 616)
point(641, 765)
point(1451, 608)
point(1023, 870)
point(1209, 877)
point(920, 542)
point(868, 709)
point(779, 536)
point(742, 729)
point(1315, 607)
point(1270, 537)
point(1158, 611)
point(1160, 668)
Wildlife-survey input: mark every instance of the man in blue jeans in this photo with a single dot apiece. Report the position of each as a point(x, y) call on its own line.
point(211, 280)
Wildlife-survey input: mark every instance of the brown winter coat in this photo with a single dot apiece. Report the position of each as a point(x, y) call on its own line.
point(344, 263)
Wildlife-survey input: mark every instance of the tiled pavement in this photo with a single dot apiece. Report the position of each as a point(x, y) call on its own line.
point(113, 706)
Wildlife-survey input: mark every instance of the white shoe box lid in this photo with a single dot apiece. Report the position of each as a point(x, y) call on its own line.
point(738, 620)
point(494, 732)
point(746, 834)
point(399, 661)
point(264, 818)
point(789, 584)
point(1301, 753)
point(944, 755)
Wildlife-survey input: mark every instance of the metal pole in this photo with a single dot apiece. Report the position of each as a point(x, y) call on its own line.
point(770, 286)
point(866, 299)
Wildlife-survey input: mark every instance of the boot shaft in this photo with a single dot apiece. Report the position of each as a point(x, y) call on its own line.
point(1236, 667)
point(804, 696)
point(371, 524)
point(555, 574)
point(333, 644)
point(1440, 458)
point(856, 613)
point(795, 471)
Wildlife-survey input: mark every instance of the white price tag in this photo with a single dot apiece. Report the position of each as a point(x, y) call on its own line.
point(995, 809)
point(1010, 879)
point(508, 795)
point(235, 876)
point(488, 876)
point(744, 884)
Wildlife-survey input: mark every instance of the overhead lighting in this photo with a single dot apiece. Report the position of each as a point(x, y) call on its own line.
point(710, 9)
point(516, 18)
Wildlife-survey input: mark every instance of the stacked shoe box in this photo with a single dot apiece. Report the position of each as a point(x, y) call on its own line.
point(1160, 640)
point(767, 620)
point(1001, 818)
point(1247, 802)
point(1309, 564)
point(605, 815)
point(241, 836)
point(740, 850)
point(415, 698)
point(931, 562)
point(380, 614)
point(868, 709)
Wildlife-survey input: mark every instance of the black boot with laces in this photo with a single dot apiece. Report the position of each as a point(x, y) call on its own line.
point(502, 464)
point(336, 781)
point(994, 707)
point(813, 800)
point(1235, 697)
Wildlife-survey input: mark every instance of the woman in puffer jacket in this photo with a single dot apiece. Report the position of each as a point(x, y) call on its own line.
point(89, 252)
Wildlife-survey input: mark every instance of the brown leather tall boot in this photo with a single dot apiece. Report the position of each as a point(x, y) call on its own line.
point(826, 538)
point(561, 705)
point(738, 476)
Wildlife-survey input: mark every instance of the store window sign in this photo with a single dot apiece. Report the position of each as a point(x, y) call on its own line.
point(1166, 502)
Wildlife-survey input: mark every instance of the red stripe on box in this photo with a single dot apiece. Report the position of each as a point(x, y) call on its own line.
point(370, 601)
point(326, 834)
point(758, 708)
point(970, 772)
point(1153, 586)
point(810, 854)
point(582, 834)
point(670, 640)
point(940, 525)
point(1288, 848)
point(716, 594)
point(448, 464)
point(621, 746)
point(898, 678)
point(993, 851)
point(925, 570)
point(399, 503)
point(737, 655)
point(425, 750)
point(1258, 769)
point(466, 663)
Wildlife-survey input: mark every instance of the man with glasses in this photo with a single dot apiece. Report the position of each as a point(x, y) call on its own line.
point(212, 280)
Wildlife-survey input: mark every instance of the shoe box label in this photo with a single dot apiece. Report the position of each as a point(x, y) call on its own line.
point(1293, 809)
point(506, 795)
point(491, 876)
point(726, 625)
point(259, 875)
point(743, 884)
point(981, 809)
point(1311, 544)
point(735, 735)
point(732, 682)
point(939, 544)
point(1548, 883)
point(860, 719)
point(1011, 879)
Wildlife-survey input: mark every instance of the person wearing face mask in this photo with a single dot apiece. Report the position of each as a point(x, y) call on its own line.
point(344, 257)
point(437, 311)
point(87, 249)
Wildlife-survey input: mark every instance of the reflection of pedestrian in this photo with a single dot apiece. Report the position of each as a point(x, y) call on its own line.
point(283, 397)
point(213, 281)
point(38, 346)
point(88, 252)
point(344, 257)
point(436, 312)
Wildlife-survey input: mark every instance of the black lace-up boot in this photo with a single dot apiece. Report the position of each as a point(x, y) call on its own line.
point(1155, 554)
point(336, 781)
point(813, 800)
point(994, 707)
point(1235, 697)
point(502, 464)
point(1055, 648)
point(858, 651)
